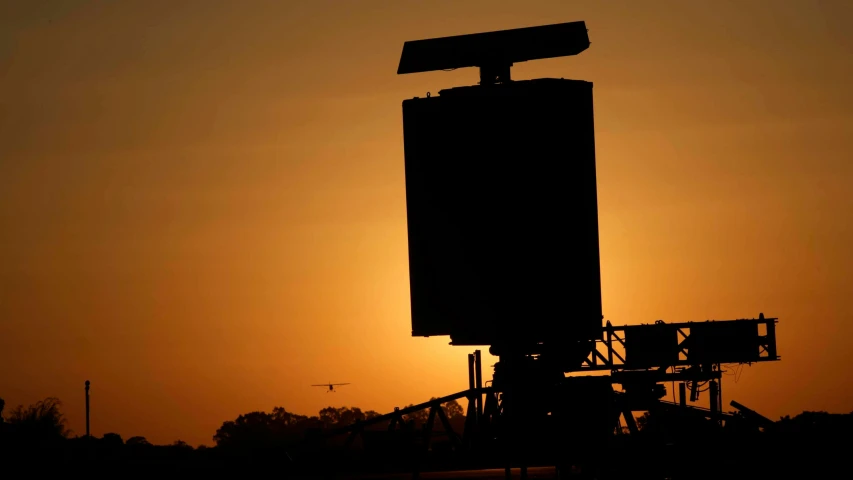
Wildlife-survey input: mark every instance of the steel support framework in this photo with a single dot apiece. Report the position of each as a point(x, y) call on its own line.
point(609, 352)
point(700, 349)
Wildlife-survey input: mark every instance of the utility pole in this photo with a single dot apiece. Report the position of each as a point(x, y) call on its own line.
point(87, 408)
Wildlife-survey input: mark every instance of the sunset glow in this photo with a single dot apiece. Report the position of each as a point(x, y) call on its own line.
point(202, 204)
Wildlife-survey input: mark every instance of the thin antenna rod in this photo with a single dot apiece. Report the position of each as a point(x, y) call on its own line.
point(87, 408)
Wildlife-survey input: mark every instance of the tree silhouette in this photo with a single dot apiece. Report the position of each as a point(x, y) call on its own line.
point(42, 420)
point(112, 439)
point(340, 417)
point(453, 409)
point(182, 445)
point(137, 441)
point(262, 429)
point(250, 429)
point(371, 414)
point(820, 423)
point(285, 418)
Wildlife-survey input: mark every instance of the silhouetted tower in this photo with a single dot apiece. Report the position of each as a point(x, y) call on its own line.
point(87, 407)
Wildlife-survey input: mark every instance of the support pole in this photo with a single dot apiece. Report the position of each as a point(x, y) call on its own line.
point(87, 408)
point(682, 394)
point(478, 372)
point(771, 338)
point(473, 400)
point(609, 342)
point(471, 377)
point(633, 429)
point(713, 392)
point(720, 397)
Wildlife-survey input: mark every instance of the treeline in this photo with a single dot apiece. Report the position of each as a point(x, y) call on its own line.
point(821, 424)
point(252, 439)
point(282, 428)
point(38, 436)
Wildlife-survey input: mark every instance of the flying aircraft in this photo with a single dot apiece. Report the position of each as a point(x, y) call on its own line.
point(330, 385)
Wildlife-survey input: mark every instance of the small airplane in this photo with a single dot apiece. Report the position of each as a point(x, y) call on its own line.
point(330, 385)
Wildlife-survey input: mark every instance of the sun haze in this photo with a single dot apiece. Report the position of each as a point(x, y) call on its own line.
point(202, 205)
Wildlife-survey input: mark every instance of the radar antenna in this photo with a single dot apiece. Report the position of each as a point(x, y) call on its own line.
point(494, 52)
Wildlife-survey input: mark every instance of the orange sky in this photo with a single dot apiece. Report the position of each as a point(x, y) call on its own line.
point(202, 202)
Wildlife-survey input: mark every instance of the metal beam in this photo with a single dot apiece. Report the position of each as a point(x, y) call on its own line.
point(405, 411)
point(606, 353)
point(756, 417)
